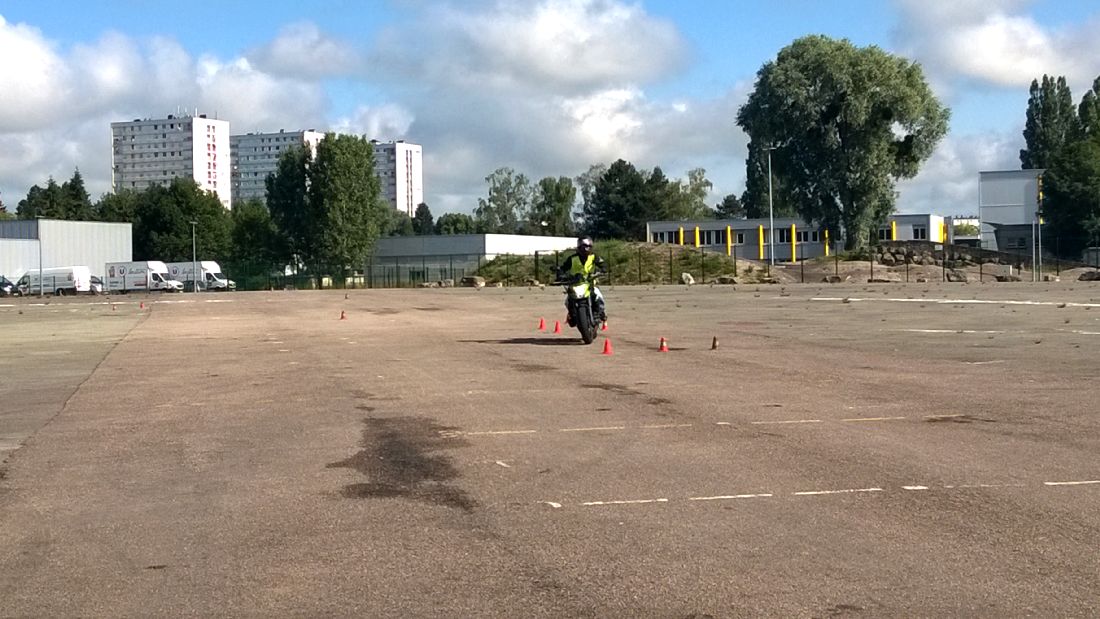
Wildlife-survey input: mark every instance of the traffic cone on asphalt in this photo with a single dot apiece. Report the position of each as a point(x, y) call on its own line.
point(714, 343)
point(142, 306)
point(557, 327)
point(343, 316)
point(603, 327)
point(607, 348)
point(664, 345)
point(542, 324)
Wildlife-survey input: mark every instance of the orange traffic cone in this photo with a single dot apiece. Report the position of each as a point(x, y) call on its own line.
point(142, 306)
point(557, 327)
point(112, 308)
point(603, 327)
point(664, 345)
point(542, 324)
point(343, 316)
point(714, 343)
point(607, 348)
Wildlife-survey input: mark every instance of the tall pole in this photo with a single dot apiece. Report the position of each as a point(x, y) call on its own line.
point(194, 262)
point(38, 233)
point(771, 211)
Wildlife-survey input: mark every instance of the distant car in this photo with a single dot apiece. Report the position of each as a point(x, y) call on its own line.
point(96, 285)
point(7, 288)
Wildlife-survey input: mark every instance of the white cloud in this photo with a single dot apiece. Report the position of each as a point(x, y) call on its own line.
point(383, 122)
point(995, 43)
point(256, 101)
point(302, 50)
point(948, 181)
point(33, 78)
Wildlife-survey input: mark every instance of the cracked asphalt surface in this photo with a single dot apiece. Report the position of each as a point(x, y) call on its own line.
point(852, 450)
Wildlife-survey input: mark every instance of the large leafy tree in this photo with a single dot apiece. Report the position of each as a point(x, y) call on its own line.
point(119, 207)
point(552, 207)
point(288, 201)
point(162, 223)
point(507, 203)
point(422, 220)
point(847, 122)
point(1051, 124)
point(346, 212)
point(256, 240)
point(455, 223)
point(755, 198)
point(1088, 113)
point(1071, 202)
point(586, 188)
point(77, 203)
point(688, 199)
point(48, 201)
point(619, 206)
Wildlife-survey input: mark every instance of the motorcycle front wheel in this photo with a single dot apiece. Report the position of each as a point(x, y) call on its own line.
point(586, 323)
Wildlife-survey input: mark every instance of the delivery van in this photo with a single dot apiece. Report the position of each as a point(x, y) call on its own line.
point(144, 276)
point(58, 281)
point(210, 275)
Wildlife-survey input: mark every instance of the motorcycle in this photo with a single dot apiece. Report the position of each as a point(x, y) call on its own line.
point(581, 302)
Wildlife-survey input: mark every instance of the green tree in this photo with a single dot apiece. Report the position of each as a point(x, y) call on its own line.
point(847, 122)
point(118, 207)
point(43, 202)
point(455, 223)
point(730, 208)
point(422, 220)
point(345, 208)
point(689, 198)
point(619, 206)
point(552, 207)
point(397, 223)
point(77, 203)
point(256, 240)
point(162, 228)
point(509, 197)
point(586, 188)
point(1088, 113)
point(1071, 204)
point(755, 198)
point(1051, 122)
point(288, 201)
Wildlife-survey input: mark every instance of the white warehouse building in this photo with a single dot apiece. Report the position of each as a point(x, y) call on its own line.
point(62, 243)
point(399, 166)
point(256, 155)
point(153, 151)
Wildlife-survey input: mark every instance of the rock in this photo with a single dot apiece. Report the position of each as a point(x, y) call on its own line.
point(428, 284)
point(473, 281)
point(725, 279)
point(1008, 278)
point(888, 259)
point(687, 279)
point(446, 283)
point(1089, 276)
point(832, 279)
point(769, 280)
point(1051, 278)
point(955, 275)
point(927, 261)
point(922, 280)
point(531, 281)
point(885, 278)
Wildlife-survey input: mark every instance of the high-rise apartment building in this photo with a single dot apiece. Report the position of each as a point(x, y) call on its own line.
point(255, 155)
point(154, 151)
point(400, 171)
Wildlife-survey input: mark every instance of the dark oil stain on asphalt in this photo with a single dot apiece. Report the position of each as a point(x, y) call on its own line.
point(399, 460)
point(627, 391)
point(533, 367)
point(956, 419)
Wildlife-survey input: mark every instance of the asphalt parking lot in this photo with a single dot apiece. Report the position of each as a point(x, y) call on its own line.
point(861, 450)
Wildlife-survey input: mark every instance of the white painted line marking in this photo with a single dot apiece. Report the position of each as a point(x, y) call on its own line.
point(667, 425)
point(944, 416)
point(492, 432)
point(1085, 332)
point(284, 350)
point(967, 331)
point(872, 418)
point(1071, 483)
point(635, 502)
point(729, 496)
point(504, 464)
point(723, 423)
point(593, 429)
point(846, 491)
point(990, 486)
point(760, 423)
point(958, 301)
point(274, 342)
point(915, 487)
point(553, 504)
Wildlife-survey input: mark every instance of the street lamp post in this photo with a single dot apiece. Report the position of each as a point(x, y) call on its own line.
point(771, 211)
point(194, 262)
point(38, 233)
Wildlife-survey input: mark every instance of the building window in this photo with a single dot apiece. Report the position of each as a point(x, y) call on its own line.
point(920, 233)
point(884, 234)
point(782, 235)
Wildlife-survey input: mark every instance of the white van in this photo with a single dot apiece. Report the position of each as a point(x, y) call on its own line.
point(210, 275)
point(145, 276)
point(58, 280)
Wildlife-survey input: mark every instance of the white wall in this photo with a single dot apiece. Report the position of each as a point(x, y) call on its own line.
point(67, 243)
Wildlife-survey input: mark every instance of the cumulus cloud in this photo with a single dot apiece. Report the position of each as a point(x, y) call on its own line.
point(303, 50)
point(995, 42)
point(382, 122)
point(948, 181)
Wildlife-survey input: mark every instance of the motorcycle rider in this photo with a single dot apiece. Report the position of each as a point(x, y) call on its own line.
point(578, 266)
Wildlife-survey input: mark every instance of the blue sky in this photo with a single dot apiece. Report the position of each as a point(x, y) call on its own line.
point(547, 87)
